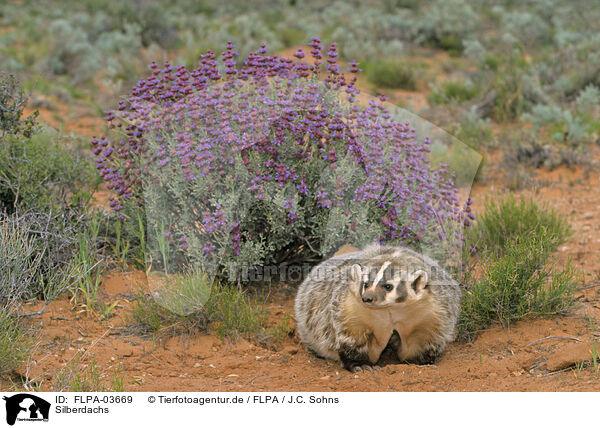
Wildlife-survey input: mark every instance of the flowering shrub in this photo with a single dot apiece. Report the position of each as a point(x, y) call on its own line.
point(271, 161)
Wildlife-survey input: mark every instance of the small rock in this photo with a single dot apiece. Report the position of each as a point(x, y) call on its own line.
point(588, 216)
point(571, 355)
point(197, 365)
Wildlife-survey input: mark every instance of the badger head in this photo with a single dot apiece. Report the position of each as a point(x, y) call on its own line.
point(384, 285)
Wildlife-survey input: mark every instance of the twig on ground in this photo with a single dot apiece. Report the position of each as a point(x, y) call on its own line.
point(311, 248)
point(93, 344)
point(309, 381)
point(33, 314)
point(252, 380)
point(557, 371)
point(555, 337)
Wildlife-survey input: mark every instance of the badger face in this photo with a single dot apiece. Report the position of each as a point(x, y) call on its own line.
point(383, 286)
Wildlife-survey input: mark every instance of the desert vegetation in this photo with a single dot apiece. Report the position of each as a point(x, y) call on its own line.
point(199, 143)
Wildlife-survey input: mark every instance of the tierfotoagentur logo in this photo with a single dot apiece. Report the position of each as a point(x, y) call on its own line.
point(26, 408)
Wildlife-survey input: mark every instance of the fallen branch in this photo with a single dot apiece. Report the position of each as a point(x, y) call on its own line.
point(33, 314)
point(589, 286)
point(308, 381)
point(557, 371)
point(555, 337)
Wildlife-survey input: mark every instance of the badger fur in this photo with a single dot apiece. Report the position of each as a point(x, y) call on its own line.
point(350, 305)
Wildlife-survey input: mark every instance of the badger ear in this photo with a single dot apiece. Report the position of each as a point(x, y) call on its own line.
point(419, 282)
point(356, 273)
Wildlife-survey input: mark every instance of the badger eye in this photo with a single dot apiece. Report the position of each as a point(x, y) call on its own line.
point(388, 287)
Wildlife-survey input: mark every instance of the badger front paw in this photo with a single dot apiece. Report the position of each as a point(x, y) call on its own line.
point(356, 362)
point(365, 367)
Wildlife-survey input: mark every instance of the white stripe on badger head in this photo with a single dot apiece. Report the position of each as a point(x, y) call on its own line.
point(380, 273)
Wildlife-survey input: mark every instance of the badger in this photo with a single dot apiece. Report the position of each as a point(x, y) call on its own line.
point(353, 305)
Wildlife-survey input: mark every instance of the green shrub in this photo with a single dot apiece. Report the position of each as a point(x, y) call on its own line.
point(451, 43)
point(193, 303)
point(516, 284)
point(587, 99)
point(506, 219)
point(233, 314)
point(453, 92)
point(182, 293)
point(76, 376)
point(446, 23)
point(36, 254)
point(474, 131)
point(86, 266)
point(491, 61)
point(124, 234)
point(565, 126)
point(511, 278)
point(393, 74)
point(13, 101)
point(291, 36)
point(36, 173)
point(510, 101)
point(14, 342)
point(20, 262)
point(44, 195)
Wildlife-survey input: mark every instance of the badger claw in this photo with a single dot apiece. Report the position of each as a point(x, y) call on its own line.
point(366, 367)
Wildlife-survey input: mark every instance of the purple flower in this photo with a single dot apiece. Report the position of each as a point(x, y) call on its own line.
point(264, 131)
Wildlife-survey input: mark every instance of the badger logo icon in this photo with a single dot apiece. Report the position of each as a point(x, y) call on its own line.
point(26, 407)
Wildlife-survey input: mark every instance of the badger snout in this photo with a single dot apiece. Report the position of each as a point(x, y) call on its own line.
point(368, 296)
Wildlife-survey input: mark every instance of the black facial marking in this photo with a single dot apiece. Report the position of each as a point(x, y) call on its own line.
point(380, 293)
point(401, 293)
